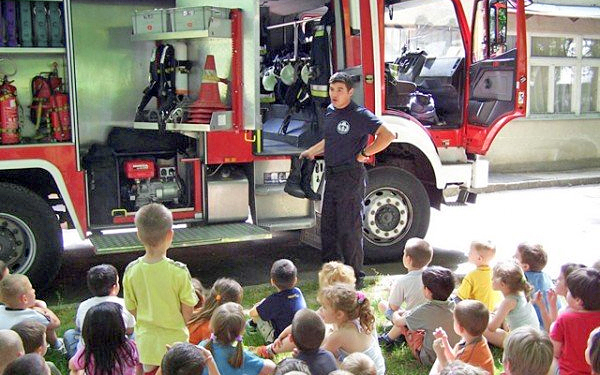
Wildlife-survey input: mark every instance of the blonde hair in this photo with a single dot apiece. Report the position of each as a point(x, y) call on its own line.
point(153, 221)
point(12, 287)
point(528, 351)
point(343, 297)
point(419, 251)
point(513, 277)
point(227, 324)
point(359, 364)
point(12, 347)
point(223, 290)
point(336, 272)
point(485, 249)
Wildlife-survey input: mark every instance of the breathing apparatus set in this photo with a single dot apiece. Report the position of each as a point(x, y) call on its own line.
point(166, 64)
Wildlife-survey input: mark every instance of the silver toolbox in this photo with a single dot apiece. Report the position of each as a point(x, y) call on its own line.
point(227, 196)
point(149, 21)
point(195, 18)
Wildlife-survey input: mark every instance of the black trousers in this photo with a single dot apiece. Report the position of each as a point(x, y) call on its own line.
point(341, 217)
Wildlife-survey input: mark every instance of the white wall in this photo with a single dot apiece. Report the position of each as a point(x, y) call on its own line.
point(550, 142)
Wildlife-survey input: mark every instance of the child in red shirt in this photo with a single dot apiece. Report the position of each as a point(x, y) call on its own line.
point(572, 328)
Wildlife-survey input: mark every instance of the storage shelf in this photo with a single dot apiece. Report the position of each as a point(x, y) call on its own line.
point(220, 32)
point(26, 50)
point(185, 127)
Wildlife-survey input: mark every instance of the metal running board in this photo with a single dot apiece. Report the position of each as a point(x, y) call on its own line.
point(184, 237)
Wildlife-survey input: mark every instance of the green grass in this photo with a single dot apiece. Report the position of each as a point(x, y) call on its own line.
point(398, 361)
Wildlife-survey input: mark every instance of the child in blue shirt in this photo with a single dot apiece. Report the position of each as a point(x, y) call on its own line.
point(532, 259)
point(227, 324)
point(275, 313)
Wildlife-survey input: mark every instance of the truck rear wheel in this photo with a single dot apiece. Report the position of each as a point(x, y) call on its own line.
point(30, 235)
point(396, 208)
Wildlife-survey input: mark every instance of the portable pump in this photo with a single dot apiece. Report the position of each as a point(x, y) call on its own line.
point(147, 187)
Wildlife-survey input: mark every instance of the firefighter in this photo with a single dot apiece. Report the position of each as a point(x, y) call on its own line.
point(347, 127)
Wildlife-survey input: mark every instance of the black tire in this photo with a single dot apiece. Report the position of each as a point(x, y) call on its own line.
point(396, 209)
point(31, 239)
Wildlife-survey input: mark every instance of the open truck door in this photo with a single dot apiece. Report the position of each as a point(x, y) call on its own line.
point(497, 76)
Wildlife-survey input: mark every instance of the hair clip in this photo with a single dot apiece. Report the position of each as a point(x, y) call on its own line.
point(213, 337)
point(239, 338)
point(360, 297)
point(218, 298)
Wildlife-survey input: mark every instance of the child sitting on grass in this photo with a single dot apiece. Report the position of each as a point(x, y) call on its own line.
point(103, 283)
point(477, 284)
point(515, 309)
point(223, 290)
point(352, 317)
point(408, 288)
point(107, 349)
point(11, 347)
point(33, 336)
point(532, 259)
point(549, 312)
point(331, 273)
point(228, 324)
point(184, 358)
point(20, 304)
point(592, 352)
point(527, 351)
point(419, 324)
point(471, 318)
point(359, 364)
point(308, 332)
point(275, 313)
point(572, 327)
point(28, 364)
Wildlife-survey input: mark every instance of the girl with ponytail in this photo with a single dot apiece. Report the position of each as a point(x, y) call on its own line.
point(515, 310)
point(223, 290)
point(351, 315)
point(225, 343)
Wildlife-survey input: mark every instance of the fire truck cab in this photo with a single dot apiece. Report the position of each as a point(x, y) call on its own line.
point(236, 89)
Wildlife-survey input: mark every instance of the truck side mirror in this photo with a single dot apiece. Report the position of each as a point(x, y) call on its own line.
point(497, 25)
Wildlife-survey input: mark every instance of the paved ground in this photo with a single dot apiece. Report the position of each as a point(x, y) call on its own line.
point(565, 219)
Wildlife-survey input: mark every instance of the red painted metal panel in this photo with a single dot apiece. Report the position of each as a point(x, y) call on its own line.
point(227, 147)
point(63, 156)
point(368, 64)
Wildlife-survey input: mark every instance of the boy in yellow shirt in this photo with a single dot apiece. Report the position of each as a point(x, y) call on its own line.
point(158, 291)
point(477, 284)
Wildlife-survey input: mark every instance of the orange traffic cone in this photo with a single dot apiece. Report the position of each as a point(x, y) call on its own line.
point(209, 101)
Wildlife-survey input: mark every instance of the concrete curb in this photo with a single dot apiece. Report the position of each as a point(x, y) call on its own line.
point(550, 181)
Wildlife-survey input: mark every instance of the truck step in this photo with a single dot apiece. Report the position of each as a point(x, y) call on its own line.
point(184, 237)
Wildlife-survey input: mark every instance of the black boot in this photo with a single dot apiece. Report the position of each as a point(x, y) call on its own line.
point(307, 169)
point(292, 186)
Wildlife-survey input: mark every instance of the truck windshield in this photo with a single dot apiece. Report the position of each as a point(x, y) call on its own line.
point(422, 25)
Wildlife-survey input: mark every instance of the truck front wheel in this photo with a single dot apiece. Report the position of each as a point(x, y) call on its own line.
point(396, 208)
point(30, 235)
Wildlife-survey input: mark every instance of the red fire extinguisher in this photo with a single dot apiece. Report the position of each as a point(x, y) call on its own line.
point(9, 115)
point(59, 117)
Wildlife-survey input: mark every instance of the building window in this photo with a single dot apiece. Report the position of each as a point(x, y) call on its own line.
point(564, 75)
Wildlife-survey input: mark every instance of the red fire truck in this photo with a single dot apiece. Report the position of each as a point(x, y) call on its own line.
point(216, 151)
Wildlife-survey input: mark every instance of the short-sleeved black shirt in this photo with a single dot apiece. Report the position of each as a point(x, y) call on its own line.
point(346, 133)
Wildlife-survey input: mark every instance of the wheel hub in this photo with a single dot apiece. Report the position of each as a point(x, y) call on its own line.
point(387, 216)
point(16, 243)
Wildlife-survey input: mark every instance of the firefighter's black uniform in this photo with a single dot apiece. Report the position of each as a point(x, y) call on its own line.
point(346, 133)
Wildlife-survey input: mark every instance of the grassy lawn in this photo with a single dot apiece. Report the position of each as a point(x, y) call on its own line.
point(398, 361)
